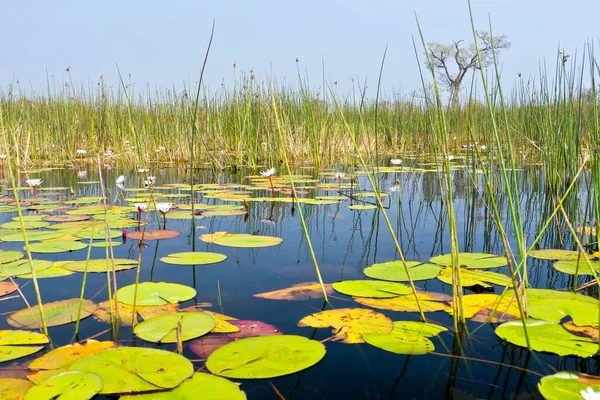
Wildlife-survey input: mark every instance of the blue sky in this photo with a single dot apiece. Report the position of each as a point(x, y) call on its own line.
point(161, 44)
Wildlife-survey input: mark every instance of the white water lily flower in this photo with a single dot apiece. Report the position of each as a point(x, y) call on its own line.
point(483, 147)
point(34, 182)
point(590, 394)
point(450, 157)
point(164, 207)
point(396, 161)
point(339, 176)
point(140, 206)
point(142, 170)
point(268, 173)
point(120, 179)
point(81, 174)
point(2, 156)
point(81, 152)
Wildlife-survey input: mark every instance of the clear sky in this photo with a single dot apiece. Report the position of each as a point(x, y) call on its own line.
point(162, 43)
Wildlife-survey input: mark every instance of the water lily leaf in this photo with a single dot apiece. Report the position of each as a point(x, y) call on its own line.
point(164, 327)
point(22, 267)
point(89, 210)
point(103, 313)
point(132, 369)
point(156, 293)
point(103, 244)
point(394, 271)
point(55, 270)
point(265, 357)
point(554, 305)
point(407, 337)
point(557, 254)
point(97, 232)
point(14, 389)
point(10, 256)
point(301, 291)
point(577, 267)
point(13, 344)
point(480, 307)
point(223, 213)
point(472, 260)
point(59, 246)
point(430, 302)
point(568, 385)
point(585, 331)
point(248, 328)
point(472, 277)
point(180, 214)
point(56, 313)
point(193, 258)
point(7, 288)
point(362, 207)
point(58, 360)
point(28, 224)
point(349, 323)
point(73, 384)
point(547, 336)
point(158, 234)
point(374, 289)
point(100, 265)
point(240, 239)
point(199, 386)
point(65, 218)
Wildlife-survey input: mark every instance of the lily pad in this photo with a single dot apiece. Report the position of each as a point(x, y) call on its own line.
point(472, 260)
point(557, 254)
point(480, 307)
point(554, 305)
point(193, 258)
point(56, 270)
point(472, 277)
point(65, 218)
point(14, 389)
point(164, 327)
point(156, 293)
point(430, 302)
point(407, 337)
point(17, 344)
point(362, 207)
point(240, 239)
point(568, 385)
point(349, 323)
point(32, 236)
point(27, 224)
point(158, 234)
point(10, 256)
point(56, 313)
point(7, 288)
point(59, 246)
point(133, 370)
point(22, 267)
point(265, 357)
point(301, 291)
point(199, 386)
point(395, 271)
point(577, 267)
point(373, 289)
point(100, 265)
point(73, 384)
point(547, 336)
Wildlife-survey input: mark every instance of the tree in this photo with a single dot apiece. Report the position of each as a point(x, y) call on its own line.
point(451, 62)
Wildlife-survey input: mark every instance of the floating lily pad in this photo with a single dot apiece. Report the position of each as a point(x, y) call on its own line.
point(56, 313)
point(223, 213)
point(132, 370)
point(7, 288)
point(430, 302)
point(577, 267)
point(100, 265)
point(240, 239)
point(56, 270)
point(554, 305)
point(199, 386)
point(300, 291)
point(265, 357)
point(73, 384)
point(557, 254)
point(407, 337)
point(373, 289)
point(32, 236)
point(568, 385)
point(349, 323)
point(22, 267)
point(156, 293)
point(159, 234)
point(480, 307)
point(193, 258)
point(472, 260)
point(27, 224)
point(395, 271)
point(65, 218)
point(164, 327)
point(472, 277)
point(10, 256)
point(17, 344)
point(547, 336)
point(362, 207)
point(14, 389)
point(59, 246)
point(104, 244)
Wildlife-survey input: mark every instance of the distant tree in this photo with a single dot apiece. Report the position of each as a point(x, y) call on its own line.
point(452, 62)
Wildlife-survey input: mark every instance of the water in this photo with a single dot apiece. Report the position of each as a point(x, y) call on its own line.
point(345, 242)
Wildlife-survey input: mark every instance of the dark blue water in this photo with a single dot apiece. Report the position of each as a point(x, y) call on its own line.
point(345, 241)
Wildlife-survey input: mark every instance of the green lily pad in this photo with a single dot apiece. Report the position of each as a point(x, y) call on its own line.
point(22, 267)
point(104, 243)
point(56, 313)
point(16, 344)
point(55, 271)
point(97, 232)
point(10, 256)
point(554, 305)
point(240, 239)
point(580, 267)
point(56, 246)
point(407, 337)
point(199, 386)
point(557, 254)
point(28, 224)
point(547, 336)
point(362, 207)
point(394, 271)
point(65, 218)
point(164, 327)
point(373, 289)
point(472, 260)
point(471, 277)
point(32, 236)
point(133, 370)
point(158, 234)
point(265, 357)
point(193, 258)
point(68, 385)
point(156, 293)
point(100, 265)
point(568, 385)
